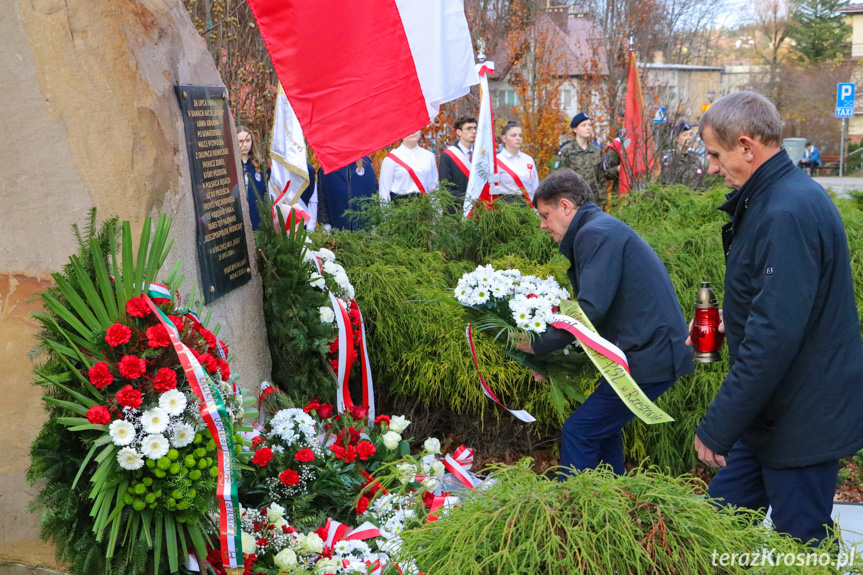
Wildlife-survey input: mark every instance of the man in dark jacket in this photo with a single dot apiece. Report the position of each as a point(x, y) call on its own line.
point(791, 404)
point(625, 291)
point(455, 161)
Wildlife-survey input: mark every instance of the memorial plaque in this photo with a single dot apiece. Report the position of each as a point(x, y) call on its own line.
point(223, 256)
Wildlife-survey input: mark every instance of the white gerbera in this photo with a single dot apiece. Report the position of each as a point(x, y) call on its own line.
point(130, 459)
point(174, 402)
point(183, 435)
point(327, 315)
point(155, 446)
point(122, 432)
point(155, 420)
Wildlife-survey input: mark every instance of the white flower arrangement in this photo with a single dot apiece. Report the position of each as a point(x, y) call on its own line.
point(122, 432)
point(129, 459)
point(174, 402)
point(293, 425)
point(530, 299)
point(155, 446)
point(155, 420)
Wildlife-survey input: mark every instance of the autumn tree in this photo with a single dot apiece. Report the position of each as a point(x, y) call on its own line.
point(229, 29)
point(535, 71)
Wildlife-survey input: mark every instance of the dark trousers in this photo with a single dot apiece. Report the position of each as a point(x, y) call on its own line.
point(592, 434)
point(801, 497)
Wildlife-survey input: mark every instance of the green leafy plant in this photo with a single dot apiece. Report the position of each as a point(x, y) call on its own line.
point(118, 495)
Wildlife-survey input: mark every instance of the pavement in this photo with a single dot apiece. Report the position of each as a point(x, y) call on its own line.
point(841, 186)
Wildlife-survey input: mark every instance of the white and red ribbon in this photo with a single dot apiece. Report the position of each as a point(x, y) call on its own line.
point(519, 413)
point(368, 382)
point(589, 338)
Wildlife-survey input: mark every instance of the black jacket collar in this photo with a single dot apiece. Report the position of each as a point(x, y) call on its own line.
point(767, 173)
point(584, 214)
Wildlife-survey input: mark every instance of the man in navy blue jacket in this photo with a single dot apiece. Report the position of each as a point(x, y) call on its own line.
point(625, 291)
point(792, 403)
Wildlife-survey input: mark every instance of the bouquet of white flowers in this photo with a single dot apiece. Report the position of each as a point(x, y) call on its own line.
point(506, 304)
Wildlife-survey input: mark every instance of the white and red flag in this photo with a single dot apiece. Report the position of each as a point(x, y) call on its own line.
point(289, 174)
point(361, 75)
point(483, 170)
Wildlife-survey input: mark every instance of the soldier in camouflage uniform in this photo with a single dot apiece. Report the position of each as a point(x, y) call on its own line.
point(681, 165)
point(585, 157)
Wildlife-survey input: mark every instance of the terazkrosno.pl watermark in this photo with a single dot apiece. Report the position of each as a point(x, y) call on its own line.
point(773, 558)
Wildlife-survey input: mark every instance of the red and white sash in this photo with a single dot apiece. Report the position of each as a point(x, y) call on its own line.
point(458, 162)
point(501, 164)
point(410, 172)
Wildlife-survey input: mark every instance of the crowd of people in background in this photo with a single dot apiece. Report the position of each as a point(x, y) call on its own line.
point(411, 169)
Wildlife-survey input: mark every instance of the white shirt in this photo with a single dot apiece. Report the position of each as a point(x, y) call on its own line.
point(395, 180)
point(524, 167)
point(313, 210)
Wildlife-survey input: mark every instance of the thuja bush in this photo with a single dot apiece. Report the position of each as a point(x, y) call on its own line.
point(417, 343)
point(599, 524)
point(297, 337)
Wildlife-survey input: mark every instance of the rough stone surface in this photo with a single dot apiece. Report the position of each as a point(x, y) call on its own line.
point(90, 119)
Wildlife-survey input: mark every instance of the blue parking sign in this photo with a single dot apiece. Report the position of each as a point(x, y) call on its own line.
point(845, 94)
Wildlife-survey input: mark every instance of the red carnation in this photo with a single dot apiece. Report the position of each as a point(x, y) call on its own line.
point(161, 301)
point(366, 449)
point(99, 415)
point(262, 456)
point(334, 345)
point(382, 419)
point(209, 338)
point(137, 307)
point(313, 404)
point(118, 334)
point(305, 455)
point(166, 380)
point(350, 454)
point(224, 347)
point(132, 367)
point(225, 369)
point(178, 322)
point(358, 412)
point(209, 362)
point(129, 397)
point(157, 336)
point(257, 440)
point(325, 411)
point(100, 375)
point(289, 477)
point(362, 505)
point(334, 363)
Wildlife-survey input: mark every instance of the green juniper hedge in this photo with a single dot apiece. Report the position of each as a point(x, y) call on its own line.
point(410, 252)
point(599, 524)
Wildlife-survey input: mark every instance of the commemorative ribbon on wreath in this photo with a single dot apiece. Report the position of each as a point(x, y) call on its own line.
point(215, 415)
point(610, 361)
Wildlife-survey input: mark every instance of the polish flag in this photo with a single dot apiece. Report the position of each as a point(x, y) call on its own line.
point(638, 159)
point(361, 75)
point(483, 170)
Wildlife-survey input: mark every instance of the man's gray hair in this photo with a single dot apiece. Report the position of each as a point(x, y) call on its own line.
point(743, 114)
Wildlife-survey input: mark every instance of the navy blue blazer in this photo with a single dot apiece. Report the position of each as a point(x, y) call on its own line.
point(794, 392)
point(624, 288)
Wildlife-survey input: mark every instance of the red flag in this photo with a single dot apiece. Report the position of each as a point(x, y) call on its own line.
point(361, 75)
point(638, 157)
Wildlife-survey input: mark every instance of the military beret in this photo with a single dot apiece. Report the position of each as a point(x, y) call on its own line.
point(682, 126)
point(578, 118)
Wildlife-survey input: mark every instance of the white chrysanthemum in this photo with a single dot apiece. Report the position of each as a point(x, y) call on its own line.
point(327, 315)
point(173, 402)
point(122, 432)
point(155, 420)
point(327, 255)
point(130, 459)
point(308, 255)
point(333, 268)
point(155, 446)
point(183, 435)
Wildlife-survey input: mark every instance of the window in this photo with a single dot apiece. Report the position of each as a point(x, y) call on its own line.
point(567, 99)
